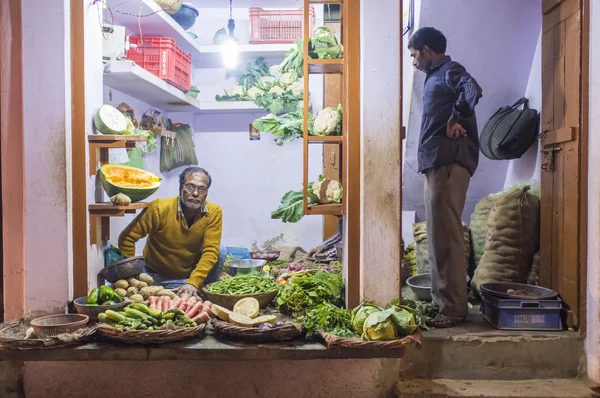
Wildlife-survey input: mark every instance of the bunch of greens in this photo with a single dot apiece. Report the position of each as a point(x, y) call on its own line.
point(389, 324)
point(248, 75)
point(425, 309)
point(328, 318)
point(277, 100)
point(291, 208)
point(285, 128)
point(309, 289)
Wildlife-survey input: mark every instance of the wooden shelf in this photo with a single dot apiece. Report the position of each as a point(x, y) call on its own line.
point(325, 66)
point(107, 209)
point(333, 209)
point(327, 140)
point(131, 79)
point(211, 54)
point(229, 107)
point(325, 1)
point(102, 143)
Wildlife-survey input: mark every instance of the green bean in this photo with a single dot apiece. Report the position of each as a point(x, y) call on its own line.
point(243, 285)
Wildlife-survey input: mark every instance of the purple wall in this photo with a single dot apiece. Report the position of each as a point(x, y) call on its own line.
point(495, 40)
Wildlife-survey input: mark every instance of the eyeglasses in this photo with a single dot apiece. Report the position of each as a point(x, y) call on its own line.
point(191, 188)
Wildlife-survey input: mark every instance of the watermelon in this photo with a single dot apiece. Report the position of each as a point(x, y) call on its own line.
point(108, 120)
point(136, 183)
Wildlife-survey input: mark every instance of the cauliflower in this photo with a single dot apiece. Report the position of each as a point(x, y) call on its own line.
point(254, 91)
point(328, 121)
point(288, 78)
point(277, 90)
point(265, 82)
point(235, 90)
point(327, 191)
point(296, 88)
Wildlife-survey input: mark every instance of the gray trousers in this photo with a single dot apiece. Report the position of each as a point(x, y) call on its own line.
point(445, 194)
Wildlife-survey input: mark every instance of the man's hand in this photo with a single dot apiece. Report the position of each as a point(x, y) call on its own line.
point(316, 250)
point(188, 289)
point(454, 129)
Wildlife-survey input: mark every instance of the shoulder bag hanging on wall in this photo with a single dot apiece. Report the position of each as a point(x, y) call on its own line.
point(510, 131)
point(177, 149)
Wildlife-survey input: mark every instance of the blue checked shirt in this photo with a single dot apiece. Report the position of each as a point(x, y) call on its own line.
point(449, 90)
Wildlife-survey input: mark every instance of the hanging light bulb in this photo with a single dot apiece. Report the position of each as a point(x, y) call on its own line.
point(230, 46)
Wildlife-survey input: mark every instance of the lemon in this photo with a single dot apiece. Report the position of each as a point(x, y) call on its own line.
point(240, 320)
point(264, 319)
point(220, 312)
point(247, 306)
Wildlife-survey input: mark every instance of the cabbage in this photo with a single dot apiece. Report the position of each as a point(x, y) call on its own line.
point(360, 314)
point(379, 327)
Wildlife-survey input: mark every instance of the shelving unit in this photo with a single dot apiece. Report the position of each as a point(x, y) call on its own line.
point(321, 66)
point(107, 209)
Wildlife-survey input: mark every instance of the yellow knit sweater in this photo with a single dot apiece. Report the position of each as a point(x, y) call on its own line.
point(172, 250)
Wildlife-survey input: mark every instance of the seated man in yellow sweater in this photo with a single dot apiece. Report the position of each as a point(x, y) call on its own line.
point(183, 245)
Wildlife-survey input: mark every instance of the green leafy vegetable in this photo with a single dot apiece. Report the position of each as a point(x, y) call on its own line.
point(309, 289)
point(285, 128)
point(248, 75)
point(291, 208)
point(379, 326)
point(328, 318)
point(360, 314)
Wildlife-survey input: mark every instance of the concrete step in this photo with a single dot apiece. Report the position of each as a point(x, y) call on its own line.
point(445, 388)
point(475, 351)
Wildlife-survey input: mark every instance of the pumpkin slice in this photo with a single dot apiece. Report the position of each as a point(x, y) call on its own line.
point(241, 320)
point(221, 312)
point(108, 120)
point(248, 306)
point(136, 183)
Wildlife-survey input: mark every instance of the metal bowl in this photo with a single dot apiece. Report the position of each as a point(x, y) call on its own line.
point(498, 290)
point(246, 267)
point(421, 286)
point(123, 269)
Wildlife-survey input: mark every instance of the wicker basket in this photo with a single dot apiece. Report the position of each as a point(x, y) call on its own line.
point(12, 337)
point(169, 6)
point(229, 300)
point(53, 325)
point(348, 342)
point(92, 311)
point(162, 336)
point(123, 269)
point(287, 332)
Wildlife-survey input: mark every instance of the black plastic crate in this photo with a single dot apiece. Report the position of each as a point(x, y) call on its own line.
point(506, 314)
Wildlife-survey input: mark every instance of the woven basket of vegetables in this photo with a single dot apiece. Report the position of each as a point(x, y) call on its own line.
point(286, 332)
point(18, 335)
point(167, 335)
point(354, 342)
point(229, 291)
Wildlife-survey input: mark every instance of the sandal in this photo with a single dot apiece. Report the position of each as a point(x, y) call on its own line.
point(444, 322)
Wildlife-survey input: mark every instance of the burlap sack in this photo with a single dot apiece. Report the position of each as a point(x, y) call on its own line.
point(478, 227)
point(512, 238)
point(422, 247)
point(409, 263)
point(534, 274)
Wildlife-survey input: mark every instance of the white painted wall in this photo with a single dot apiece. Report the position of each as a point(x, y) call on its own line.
point(380, 149)
point(249, 177)
point(47, 125)
point(593, 260)
point(527, 168)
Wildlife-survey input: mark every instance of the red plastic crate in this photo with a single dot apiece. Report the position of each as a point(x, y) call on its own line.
point(278, 26)
point(162, 57)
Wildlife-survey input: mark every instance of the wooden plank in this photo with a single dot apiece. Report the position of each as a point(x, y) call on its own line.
point(78, 148)
point(351, 40)
point(402, 137)
point(564, 134)
point(559, 14)
point(547, 176)
point(548, 5)
point(570, 264)
point(324, 66)
point(12, 157)
point(583, 164)
point(112, 138)
point(333, 209)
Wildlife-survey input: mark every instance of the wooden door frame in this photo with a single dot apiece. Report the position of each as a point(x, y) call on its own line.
point(12, 154)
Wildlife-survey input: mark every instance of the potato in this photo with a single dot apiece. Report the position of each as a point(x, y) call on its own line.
point(121, 284)
point(150, 291)
point(141, 285)
point(137, 298)
point(131, 291)
point(168, 293)
point(121, 292)
point(146, 278)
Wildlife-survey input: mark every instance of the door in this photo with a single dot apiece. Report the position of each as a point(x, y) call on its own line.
point(561, 259)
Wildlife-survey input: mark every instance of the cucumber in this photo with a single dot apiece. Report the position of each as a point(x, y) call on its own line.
point(108, 120)
point(115, 316)
point(140, 307)
point(133, 313)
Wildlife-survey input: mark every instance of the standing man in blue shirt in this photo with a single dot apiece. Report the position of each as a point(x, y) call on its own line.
point(448, 156)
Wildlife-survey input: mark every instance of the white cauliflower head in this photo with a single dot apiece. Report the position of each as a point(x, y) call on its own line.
point(265, 82)
point(235, 90)
point(296, 88)
point(328, 121)
point(254, 91)
point(288, 78)
point(277, 90)
point(327, 191)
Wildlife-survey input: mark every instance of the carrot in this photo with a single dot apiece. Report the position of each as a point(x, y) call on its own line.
point(190, 303)
point(175, 303)
point(182, 304)
point(159, 304)
point(207, 307)
point(166, 301)
point(152, 301)
point(197, 308)
point(202, 317)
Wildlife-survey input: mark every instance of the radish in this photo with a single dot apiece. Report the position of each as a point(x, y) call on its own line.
point(152, 301)
point(201, 318)
point(194, 310)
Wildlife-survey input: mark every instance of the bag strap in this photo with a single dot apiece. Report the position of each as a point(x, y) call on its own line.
point(523, 101)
